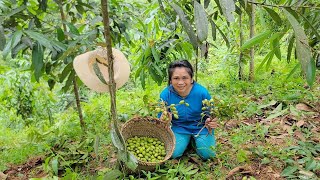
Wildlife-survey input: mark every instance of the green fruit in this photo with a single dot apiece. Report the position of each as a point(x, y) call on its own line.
point(176, 116)
point(187, 104)
point(182, 102)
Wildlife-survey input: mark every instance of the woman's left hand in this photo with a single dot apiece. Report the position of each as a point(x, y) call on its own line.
point(211, 123)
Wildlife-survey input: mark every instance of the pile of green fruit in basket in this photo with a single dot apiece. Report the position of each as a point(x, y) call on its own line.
point(147, 149)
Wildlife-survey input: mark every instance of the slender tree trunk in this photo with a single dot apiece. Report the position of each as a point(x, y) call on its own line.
point(252, 26)
point(240, 73)
point(75, 85)
point(112, 84)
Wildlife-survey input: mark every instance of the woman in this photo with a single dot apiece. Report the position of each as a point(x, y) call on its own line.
point(189, 123)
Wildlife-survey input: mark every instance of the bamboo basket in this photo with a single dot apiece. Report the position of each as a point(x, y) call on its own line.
point(150, 127)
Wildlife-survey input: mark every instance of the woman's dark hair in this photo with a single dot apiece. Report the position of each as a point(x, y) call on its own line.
point(181, 63)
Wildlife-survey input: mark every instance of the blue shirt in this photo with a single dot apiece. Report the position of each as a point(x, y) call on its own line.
point(190, 120)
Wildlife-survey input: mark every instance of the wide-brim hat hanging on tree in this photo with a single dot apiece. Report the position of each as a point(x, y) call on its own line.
point(86, 65)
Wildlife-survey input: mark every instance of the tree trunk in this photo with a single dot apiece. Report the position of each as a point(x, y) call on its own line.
point(240, 73)
point(75, 86)
point(252, 21)
point(111, 83)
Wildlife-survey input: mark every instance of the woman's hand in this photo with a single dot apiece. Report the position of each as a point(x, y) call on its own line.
point(211, 123)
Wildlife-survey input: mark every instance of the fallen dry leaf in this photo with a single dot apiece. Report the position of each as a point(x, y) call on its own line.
point(299, 135)
point(239, 169)
point(300, 123)
point(304, 107)
point(3, 176)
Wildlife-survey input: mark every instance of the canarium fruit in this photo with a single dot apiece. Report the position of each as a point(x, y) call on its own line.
point(146, 149)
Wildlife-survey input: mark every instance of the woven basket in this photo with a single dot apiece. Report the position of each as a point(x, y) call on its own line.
point(150, 127)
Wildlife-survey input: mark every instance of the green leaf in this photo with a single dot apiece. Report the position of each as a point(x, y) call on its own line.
point(155, 76)
point(292, 12)
point(276, 48)
point(65, 72)
point(143, 79)
point(201, 21)
point(271, 103)
point(255, 40)
point(60, 34)
point(302, 47)
point(2, 38)
point(14, 40)
point(80, 9)
point(277, 114)
point(311, 165)
point(290, 47)
point(292, 71)
point(115, 137)
point(269, 61)
point(266, 58)
point(288, 171)
point(54, 164)
point(73, 29)
point(273, 15)
point(99, 74)
point(213, 30)
point(132, 162)
point(113, 174)
point(155, 54)
point(311, 72)
point(187, 26)
point(15, 11)
point(206, 3)
point(69, 81)
point(37, 60)
point(314, 30)
point(223, 36)
point(228, 7)
point(42, 39)
point(219, 6)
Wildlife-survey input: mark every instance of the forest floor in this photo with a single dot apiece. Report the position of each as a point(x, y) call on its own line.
point(279, 129)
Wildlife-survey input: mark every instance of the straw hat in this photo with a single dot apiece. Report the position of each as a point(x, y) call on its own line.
point(84, 63)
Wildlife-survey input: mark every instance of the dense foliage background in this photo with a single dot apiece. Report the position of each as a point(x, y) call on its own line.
point(265, 83)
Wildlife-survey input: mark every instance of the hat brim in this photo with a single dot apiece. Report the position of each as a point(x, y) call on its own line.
point(83, 65)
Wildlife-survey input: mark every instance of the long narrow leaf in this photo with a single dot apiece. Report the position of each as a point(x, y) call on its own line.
point(73, 29)
point(42, 39)
point(228, 7)
point(186, 24)
point(292, 71)
point(314, 30)
point(213, 30)
point(2, 38)
point(37, 60)
point(265, 60)
point(290, 47)
point(274, 15)
point(206, 3)
point(255, 40)
point(14, 40)
point(223, 35)
point(15, 11)
point(201, 21)
point(311, 72)
point(276, 47)
point(302, 47)
point(269, 61)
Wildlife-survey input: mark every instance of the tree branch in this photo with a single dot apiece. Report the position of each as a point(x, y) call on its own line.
point(282, 6)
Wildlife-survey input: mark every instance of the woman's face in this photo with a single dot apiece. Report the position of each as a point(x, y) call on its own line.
point(181, 81)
